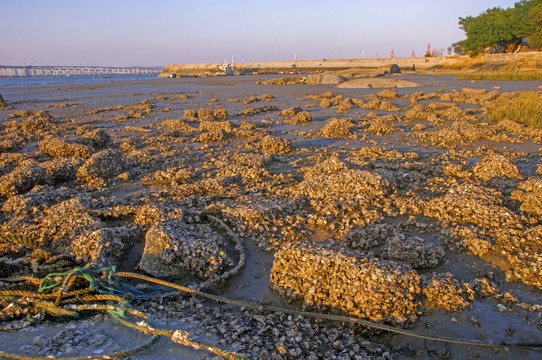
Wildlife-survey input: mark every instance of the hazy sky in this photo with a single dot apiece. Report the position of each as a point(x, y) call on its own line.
point(160, 32)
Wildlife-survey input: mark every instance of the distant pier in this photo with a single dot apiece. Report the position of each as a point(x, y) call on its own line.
point(31, 70)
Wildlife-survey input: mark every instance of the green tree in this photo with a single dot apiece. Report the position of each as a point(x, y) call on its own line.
point(535, 20)
point(501, 30)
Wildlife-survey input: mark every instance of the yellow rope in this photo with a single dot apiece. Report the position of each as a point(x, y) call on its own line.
point(53, 309)
point(27, 294)
point(180, 337)
point(332, 317)
point(106, 307)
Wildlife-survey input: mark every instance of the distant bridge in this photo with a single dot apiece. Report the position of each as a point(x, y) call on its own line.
point(31, 70)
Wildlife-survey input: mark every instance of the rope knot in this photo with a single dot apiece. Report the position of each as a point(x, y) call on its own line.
point(182, 337)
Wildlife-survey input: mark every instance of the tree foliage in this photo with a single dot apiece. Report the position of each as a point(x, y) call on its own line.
point(502, 30)
point(535, 18)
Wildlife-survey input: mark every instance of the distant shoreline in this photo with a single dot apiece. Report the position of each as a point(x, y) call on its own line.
point(446, 64)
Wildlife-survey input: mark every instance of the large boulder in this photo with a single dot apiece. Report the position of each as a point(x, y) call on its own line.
point(325, 79)
point(395, 69)
point(2, 101)
point(174, 248)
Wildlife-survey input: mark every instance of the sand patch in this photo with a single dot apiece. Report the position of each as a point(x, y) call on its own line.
point(365, 83)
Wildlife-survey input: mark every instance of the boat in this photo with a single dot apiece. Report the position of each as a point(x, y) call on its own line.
point(228, 69)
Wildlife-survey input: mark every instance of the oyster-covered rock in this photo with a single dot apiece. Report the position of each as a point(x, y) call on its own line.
point(413, 251)
point(301, 117)
point(324, 275)
point(213, 125)
point(177, 126)
point(94, 138)
point(359, 184)
point(39, 122)
point(336, 128)
point(276, 145)
point(468, 203)
point(40, 198)
point(529, 193)
point(495, 165)
point(445, 292)
point(105, 246)
point(174, 247)
point(212, 136)
point(290, 111)
point(22, 178)
point(61, 148)
point(60, 170)
point(102, 165)
point(388, 94)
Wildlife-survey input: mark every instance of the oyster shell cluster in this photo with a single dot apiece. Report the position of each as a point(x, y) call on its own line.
point(173, 246)
point(444, 292)
point(347, 281)
point(381, 187)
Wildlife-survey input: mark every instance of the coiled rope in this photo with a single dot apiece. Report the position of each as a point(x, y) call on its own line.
point(78, 288)
point(95, 283)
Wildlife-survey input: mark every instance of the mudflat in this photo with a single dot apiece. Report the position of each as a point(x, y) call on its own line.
point(407, 207)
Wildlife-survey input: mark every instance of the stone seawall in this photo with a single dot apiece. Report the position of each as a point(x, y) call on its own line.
point(531, 59)
point(303, 65)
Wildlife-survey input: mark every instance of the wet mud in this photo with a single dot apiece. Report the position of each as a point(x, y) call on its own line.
point(406, 206)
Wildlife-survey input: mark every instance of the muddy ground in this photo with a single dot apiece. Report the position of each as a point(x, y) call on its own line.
point(427, 215)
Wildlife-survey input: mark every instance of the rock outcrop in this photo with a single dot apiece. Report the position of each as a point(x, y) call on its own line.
point(395, 69)
point(325, 79)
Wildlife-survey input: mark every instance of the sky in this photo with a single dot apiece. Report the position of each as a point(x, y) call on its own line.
point(160, 32)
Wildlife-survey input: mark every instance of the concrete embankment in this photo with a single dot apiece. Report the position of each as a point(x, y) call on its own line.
point(490, 62)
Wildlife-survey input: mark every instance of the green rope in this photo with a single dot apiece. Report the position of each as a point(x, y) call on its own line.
point(49, 283)
point(117, 312)
point(101, 279)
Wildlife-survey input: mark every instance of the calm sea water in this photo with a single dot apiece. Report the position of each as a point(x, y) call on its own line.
point(73, 79)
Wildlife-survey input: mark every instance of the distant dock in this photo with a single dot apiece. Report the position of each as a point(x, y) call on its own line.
point(31, 70)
